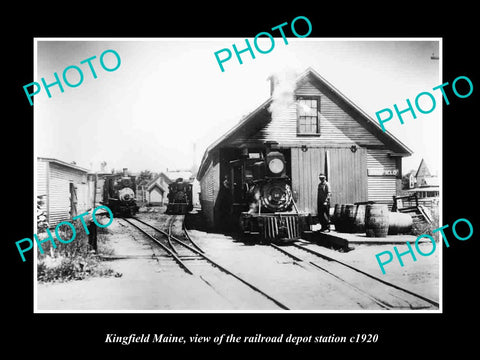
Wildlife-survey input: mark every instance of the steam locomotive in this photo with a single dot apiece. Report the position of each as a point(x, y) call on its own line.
point(179, 197)
point(269, 211)
point(119, 194)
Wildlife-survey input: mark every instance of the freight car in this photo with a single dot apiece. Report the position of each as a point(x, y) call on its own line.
point(119, 194)
point(263, 201)
point(179, 197)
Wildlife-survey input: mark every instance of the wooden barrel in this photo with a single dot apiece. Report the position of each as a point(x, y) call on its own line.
point(340, 224)
point(336, 214)
point(399, 223)
point(376, 220)
point(348, 218)
point(359, 221)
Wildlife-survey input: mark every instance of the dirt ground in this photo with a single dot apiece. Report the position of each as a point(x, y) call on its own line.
point(421, 277)
point(144, 284)
point(150, 284)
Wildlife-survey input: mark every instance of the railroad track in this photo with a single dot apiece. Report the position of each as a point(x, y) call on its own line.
point(383, 293)
point(188, 255)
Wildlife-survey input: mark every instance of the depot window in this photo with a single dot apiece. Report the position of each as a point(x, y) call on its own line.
point(308, 109)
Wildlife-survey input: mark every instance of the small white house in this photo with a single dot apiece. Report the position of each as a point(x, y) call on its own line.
point(157, 190)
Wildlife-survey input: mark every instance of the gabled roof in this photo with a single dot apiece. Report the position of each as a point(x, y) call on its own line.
point(423, 169)
point(153, 182)
point(63, 163)
point(155, 185)
point(262, 116)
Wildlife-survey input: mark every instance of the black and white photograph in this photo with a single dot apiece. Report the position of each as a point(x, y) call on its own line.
point(224, 180)
point(265, 186)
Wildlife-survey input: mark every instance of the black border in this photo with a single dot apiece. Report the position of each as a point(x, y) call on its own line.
point(407, 334)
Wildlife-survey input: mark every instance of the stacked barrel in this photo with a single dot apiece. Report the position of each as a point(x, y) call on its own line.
point(373, 219)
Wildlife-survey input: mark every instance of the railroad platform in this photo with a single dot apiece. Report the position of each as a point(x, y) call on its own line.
point(343, 240)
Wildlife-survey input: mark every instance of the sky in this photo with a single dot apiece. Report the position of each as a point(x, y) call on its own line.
point(169, 95)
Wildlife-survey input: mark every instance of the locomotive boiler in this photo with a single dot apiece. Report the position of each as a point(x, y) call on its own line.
point(265, 204)
point(119, 194)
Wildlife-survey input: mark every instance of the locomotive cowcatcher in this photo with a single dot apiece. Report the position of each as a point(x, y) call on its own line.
point(119, 194)
point(263, 202)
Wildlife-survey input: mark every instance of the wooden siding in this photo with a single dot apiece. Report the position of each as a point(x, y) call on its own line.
point(347, 175)
point(42, 178)
point(305, 169)
point(381, 188)
point(42, 184)
point(59, 192)
point(337, 125)
point(380, 159)
point(59, 201)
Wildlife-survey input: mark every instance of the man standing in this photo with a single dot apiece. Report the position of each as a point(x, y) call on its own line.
point(323, 203)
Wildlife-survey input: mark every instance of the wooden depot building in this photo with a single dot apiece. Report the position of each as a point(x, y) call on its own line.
point(320, 131)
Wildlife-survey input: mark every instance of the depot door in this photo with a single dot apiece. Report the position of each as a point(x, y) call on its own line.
point(346, 172)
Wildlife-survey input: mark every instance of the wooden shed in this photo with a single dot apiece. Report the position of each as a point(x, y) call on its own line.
point(67, 189)
point(157, 189)
point(321, 130)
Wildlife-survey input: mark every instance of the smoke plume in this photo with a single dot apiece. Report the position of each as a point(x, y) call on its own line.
point(283, 91)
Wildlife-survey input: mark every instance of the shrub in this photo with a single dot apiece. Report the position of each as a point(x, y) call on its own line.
point(423, 227)
point(75, 260)
point(62, 268)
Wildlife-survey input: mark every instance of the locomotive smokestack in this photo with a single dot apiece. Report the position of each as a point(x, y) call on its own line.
point(125, 171)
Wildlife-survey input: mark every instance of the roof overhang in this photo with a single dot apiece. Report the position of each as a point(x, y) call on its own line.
point(63, 163)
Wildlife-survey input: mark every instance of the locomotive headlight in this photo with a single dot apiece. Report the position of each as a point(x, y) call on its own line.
point(126, 194)
point(276, 166)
